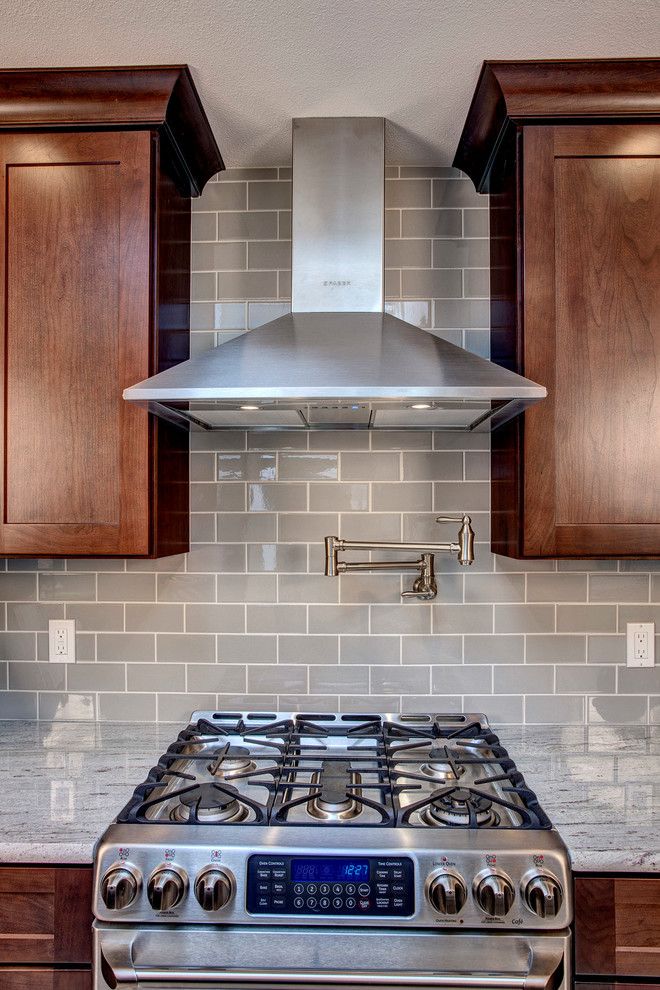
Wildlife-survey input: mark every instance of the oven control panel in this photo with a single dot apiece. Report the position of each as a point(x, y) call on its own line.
point(353, 886)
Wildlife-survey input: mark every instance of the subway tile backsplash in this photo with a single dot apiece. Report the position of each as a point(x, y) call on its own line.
point(247, 619)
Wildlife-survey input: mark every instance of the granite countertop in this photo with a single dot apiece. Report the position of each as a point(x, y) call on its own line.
point(63, 782)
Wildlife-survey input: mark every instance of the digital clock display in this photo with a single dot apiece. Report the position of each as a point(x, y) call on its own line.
point(329, 870)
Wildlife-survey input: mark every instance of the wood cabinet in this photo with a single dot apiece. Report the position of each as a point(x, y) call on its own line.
point(97, 168)
point(45, 928)
point(617, 927)
point(570, 154)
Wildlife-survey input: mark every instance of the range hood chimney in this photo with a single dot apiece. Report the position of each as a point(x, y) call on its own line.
point(337, 361)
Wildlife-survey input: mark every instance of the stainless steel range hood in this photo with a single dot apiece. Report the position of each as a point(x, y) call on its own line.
point(337, 361)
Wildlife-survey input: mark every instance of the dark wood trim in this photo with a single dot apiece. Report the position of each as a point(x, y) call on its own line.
point(41, 978)
point(533, 92)
point(171, 345)
point(161, 97)
point(595, 938)
point(607, 985)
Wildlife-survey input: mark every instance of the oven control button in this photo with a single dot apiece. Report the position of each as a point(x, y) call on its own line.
point(324, 888)
point(311, 888)
point(299, 902)
point(324, 903)
point(119, 888)
point(447, 893)
point(350, 888)
point(337, 903)
point(166, 888)
point(214, 888)
point(298, 888)
point(364, 890)
point(544, 896)
point(495, 895)
point(350, 903)
point(311, 902)
point(337, 889)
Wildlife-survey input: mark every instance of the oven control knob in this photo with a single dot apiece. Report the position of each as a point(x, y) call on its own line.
point(495, 895)
point(544, 896)
point(119, 888)
point(166, 888)
point(213, 889)
point(447, 893)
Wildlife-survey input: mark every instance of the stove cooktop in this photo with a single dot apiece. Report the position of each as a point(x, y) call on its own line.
point(390, 771)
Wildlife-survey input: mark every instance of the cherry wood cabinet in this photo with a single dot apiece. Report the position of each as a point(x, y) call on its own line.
point(45, 928)
point(570, 154)
point(617, 928)
point(97, 168)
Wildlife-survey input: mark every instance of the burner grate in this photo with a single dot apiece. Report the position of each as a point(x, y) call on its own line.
point(351, 770)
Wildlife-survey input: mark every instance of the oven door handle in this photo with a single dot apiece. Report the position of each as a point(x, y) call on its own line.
point(544, 972)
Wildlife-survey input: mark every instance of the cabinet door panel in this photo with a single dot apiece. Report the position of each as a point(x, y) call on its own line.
point(617, 926)
point(76, 313)
point(45, 915)
point(591, 201)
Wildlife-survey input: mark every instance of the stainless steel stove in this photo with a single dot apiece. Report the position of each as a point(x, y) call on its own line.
point(281, 850)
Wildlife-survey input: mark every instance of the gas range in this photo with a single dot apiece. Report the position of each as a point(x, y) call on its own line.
point(307, 825)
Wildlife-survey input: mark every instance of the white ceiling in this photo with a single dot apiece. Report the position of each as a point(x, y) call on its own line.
point(258, 63)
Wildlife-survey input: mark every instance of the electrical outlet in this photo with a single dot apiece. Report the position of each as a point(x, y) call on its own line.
point(62, 640)
point(640, 642)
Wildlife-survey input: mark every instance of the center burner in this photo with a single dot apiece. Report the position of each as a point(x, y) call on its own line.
point(390, 771)
point(338, 792)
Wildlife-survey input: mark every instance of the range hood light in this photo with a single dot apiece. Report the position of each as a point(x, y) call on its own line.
point(250, 407)
point(421, 405)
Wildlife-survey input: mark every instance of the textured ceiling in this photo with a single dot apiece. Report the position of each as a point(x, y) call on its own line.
point(258, 63)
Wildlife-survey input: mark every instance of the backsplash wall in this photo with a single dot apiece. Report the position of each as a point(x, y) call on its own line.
point(247, 619)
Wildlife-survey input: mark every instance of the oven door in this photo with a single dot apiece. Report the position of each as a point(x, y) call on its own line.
point(296, 958)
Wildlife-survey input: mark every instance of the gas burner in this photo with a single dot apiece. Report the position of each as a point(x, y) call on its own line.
point(231, 760)
point(207, 805)
point(441, 765)
point(460, 807)
point(338, 788)
point(361, 771)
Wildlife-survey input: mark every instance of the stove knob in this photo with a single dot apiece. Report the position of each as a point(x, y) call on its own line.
point(495, 895)
point(213, 889)
point(544, 896)
point(165, 889)
point(447, 894)
point(119, 888)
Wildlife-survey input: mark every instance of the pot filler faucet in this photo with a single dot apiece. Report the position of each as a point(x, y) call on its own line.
point(424, 587)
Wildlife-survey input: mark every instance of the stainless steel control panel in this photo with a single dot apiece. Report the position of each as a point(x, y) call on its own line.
point(207, 875)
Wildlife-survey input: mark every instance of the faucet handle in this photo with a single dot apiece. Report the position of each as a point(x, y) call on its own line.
point(465, 537)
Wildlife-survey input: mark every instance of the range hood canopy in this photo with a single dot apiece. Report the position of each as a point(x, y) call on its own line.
point(337, 361)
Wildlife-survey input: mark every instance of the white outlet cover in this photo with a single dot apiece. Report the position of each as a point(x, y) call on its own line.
point(62, 640)
point(633, 629)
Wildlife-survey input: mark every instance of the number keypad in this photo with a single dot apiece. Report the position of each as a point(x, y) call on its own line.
point(388, 891)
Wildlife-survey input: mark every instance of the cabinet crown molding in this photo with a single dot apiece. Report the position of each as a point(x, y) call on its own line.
point(565, 90)
point(156, 97)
